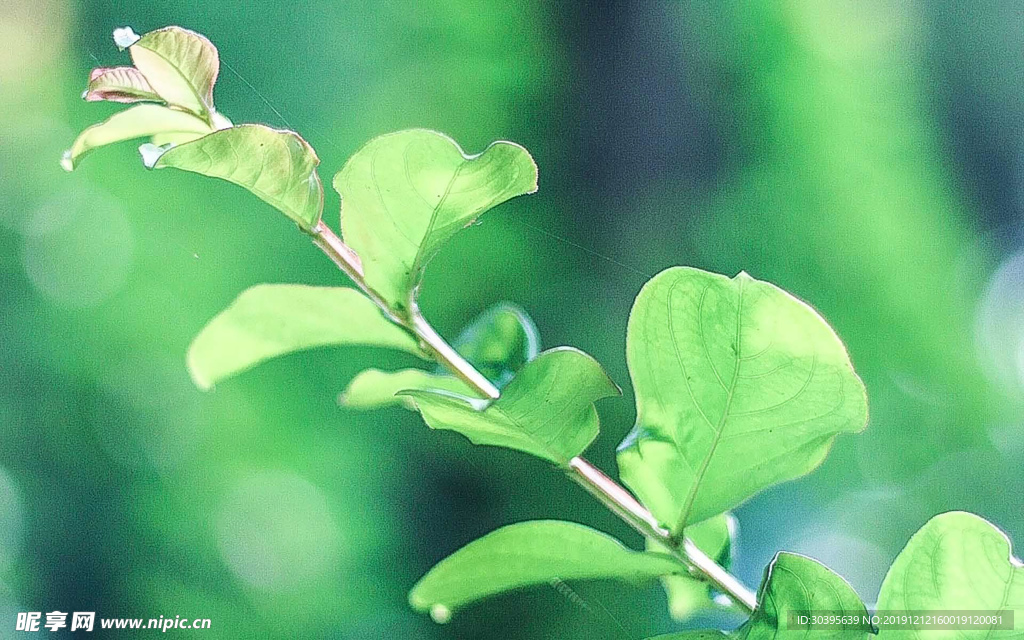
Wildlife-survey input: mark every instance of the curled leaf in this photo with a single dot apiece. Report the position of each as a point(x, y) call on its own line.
point(119, 84)
point(499, 342)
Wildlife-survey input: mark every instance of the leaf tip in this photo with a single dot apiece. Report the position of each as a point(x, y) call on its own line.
point(440, 614)
point(151, 153)
point(67, 161)
point(195, 372)
point(125, 37)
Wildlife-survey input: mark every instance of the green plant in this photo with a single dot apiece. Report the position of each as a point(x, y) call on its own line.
point(738, 384)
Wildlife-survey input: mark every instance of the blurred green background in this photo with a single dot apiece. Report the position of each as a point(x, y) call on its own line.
point(866, 155)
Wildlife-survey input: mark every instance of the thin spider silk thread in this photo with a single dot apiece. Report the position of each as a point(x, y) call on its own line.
point(559, 586)
point(532, 227)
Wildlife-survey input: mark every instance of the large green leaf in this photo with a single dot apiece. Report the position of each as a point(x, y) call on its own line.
point(180, 65)
point(140, 121)
point(119, 84)
point(688, 595)
point(546, 410)
point(374, 388)
point(499, 342)
point(404, 194)
point(531, 553)
point(738, 386)
point(271, 320)
point(956, 561)
point(796, 583)
point(277, 166)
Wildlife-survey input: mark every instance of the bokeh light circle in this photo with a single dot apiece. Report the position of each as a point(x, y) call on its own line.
point(275, 531)
point(77, 248)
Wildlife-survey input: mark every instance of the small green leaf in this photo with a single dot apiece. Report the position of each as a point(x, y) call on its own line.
point(688, 595)
point(738, 386)
point(374, 388)
point(956, 561)
point(547, 410)
point(531, 553)
point(140, 121)
point(279, 167)
point(796, 583)
point(181, 66)
point(499, 342)
point(119, 84)
point(271, 320)
point(405, 194)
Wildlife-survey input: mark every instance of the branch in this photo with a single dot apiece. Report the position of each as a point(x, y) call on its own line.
point(610, 493)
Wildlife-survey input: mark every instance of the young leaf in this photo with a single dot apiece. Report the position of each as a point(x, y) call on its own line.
point(271, 320)
point(140, 121)
point(738, 386)
point(119, 84)
point(956, 561)
point(181, 66)
point(547, 410)
point(796, 583)
point(686, 594)
point(404, 194)
point(279, 167)
point(374, 388)
point(499, 342)
point(531, 553)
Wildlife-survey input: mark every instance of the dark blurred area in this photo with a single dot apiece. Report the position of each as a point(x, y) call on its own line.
point(865, 155)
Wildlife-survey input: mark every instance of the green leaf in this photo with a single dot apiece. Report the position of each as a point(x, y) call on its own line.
point(547, 410)
point(738, 386)
point(499, 342)
point(119, 84)
point(374, 388)
point(956, 561)
point(405, 194)
point(688, 595)
point(531, 553)
point(796, 583)
point(271, 320)
point(181, 66)
point(140, 121)
point(279, 167)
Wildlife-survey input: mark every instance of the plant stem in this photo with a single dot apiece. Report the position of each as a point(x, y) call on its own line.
point(621, 502)
point(449, 357)
point(610, 493)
